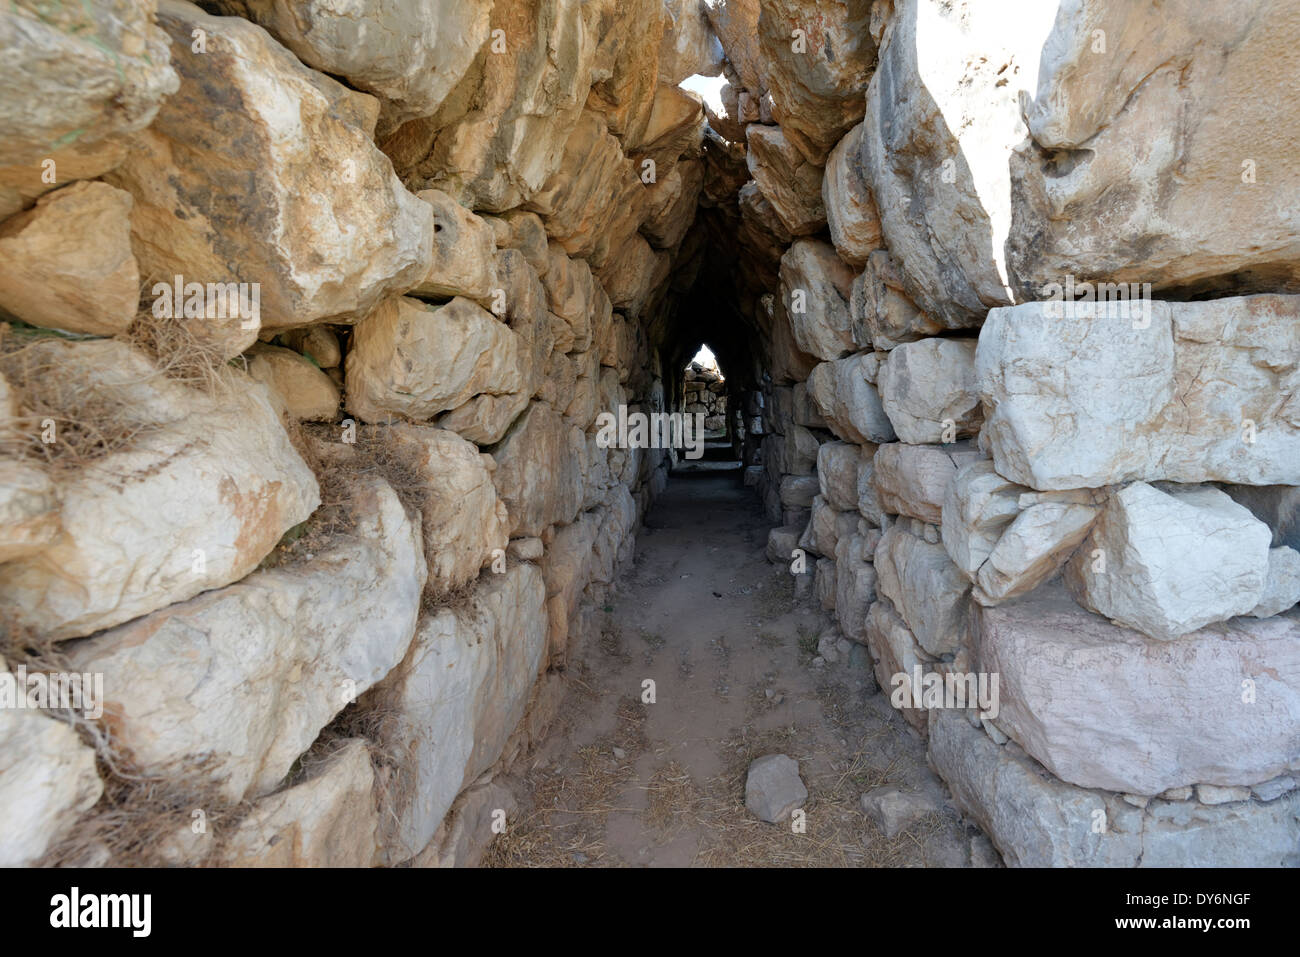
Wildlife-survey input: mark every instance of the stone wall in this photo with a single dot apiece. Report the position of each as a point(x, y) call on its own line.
point(329, 553)
point(1093, 500)
point(309, 318)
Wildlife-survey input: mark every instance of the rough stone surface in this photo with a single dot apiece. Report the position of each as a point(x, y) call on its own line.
point(459, 694)
point(29, 509)
point(913, 479)
point(1034, 547)
point(333, 230)
point(926, 588)
point(848, 401)
point(978, 505)
point(815, 286)
point(816, 77)
point(194, 502)
point(851, 210)
point(538, 474)
point(773, 788)
point(882, 313)
point(47, 780)
point(1152, 715)
point(411, 55)
point(928, 390)
point(1106, 129)
point(790, 182)
point(89, 71)
point(1145, 564)
point(893, 810)
point(943, 115)
point(462, 520)
point(307, 392)
point(328, 820)
point(1188, 394)
point(417, 360)
point(233, 685)
point(67, 264)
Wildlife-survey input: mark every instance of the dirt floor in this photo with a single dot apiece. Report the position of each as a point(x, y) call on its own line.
point(703, 614)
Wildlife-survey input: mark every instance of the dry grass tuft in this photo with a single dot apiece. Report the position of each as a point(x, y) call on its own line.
point(88, 422)
point(181, 355)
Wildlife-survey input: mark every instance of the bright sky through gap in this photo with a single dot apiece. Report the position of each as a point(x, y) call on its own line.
point(709, 87)
point(706, 358)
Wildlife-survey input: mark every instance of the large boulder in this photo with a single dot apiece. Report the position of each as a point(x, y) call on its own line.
point(837, 474)
point(789, 363)
point(943, 116)
point(815, 286)
point(539, 471)
point(978, 505)
point(926, 589)
point(896, 655)
point(47, 780)
point(671, 203)
point(1034, 547)
point(457, 697)
point(1111, 731)
point(844, 393)
point(1036, 820)
point(816, 77)
point(1168, 561)
point(735, 22)
point(307, 392)
point(790, 182)
point(232, 686)
point(464, 252)
point(327, 820)
point(88, 72)
point(851, 210)
point(882, 313)
point(462, 519)
point(689, 47)
point(1181, 391)
point(194, 500)
point(412, 359)
point(500, 134)
point(913, 479)
point(625, 70)
point(332, 232)
point(67, 264)
point(595, 198)
point(410, 55)
point(1143, 166)
point(928, 390)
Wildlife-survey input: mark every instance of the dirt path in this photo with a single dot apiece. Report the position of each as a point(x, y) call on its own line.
point(715, 626)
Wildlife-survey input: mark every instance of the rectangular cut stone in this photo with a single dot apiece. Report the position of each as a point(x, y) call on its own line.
point(1104, 706)
point(1192, 392)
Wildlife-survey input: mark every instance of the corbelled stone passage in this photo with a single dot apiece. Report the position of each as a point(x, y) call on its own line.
point(345, 354)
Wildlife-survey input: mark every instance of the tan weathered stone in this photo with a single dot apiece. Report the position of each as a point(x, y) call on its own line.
point(67, 264)
point(328, 820)
point(412, 359)
point(332, 232)
point(196, 500)
point(88, 71)
point(235, 684)
point(308, 393)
